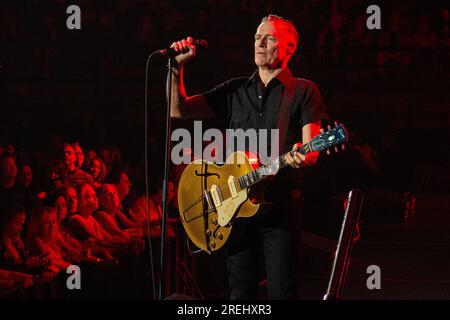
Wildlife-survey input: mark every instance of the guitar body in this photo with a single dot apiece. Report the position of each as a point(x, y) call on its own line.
point(210, 196)
point(206, 226)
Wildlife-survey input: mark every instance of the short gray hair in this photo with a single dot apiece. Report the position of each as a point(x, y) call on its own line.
point(288, 25)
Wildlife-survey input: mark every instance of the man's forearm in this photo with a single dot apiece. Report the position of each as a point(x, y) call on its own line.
point(182, 106)
point(178, 92)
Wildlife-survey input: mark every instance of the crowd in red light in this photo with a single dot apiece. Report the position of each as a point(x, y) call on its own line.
point(79, 208)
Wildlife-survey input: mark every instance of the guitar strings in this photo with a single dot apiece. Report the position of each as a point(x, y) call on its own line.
point(225, 190)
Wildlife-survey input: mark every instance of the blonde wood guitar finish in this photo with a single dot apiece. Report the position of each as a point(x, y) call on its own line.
point(209, 229)
point(210, 196)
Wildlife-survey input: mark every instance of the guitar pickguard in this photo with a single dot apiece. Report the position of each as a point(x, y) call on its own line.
point(229, 208)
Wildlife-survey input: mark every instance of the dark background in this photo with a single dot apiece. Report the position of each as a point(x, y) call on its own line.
point(390, 87)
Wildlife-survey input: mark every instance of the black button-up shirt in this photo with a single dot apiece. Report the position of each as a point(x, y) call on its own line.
point(245, 103)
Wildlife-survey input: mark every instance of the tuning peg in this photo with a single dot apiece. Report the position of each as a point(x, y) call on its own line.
point(328, 152)
point(343, 147)
point(335, 124)
point(321, 130)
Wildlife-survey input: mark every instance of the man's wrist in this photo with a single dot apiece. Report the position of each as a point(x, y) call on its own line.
point(175, 63)
point(175, 71)
point(176, 67)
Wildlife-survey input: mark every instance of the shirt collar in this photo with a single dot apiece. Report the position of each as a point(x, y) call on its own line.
point(285, 77)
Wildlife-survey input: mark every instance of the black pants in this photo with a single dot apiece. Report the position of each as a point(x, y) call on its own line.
point(275, 234)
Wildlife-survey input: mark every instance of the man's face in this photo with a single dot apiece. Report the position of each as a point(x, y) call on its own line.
point(69, 156)
point(271, 45)
point(8, 168)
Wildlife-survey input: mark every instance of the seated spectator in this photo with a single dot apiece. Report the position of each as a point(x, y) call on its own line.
point(71, 196)
point(41, 238)
point(123, 186)
point(71, 248)
point(13, 255)
point(8, 175)
point(88, 156)
point(139, 213)
point(79, 153)
point(52, 176)
point(105, 154)
point(119, 178)
point(26, 190)
point(58, 202)
point(66, 204)
point(83, 225)
point(97, 170)
point(25, 176)
point(111, 217)
point(111, 157)
point(74, 175)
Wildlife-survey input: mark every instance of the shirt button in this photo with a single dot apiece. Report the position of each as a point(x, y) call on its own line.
point(260, 97)
point(260, 114)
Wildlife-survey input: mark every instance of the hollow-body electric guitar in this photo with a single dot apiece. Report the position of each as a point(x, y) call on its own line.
point(211, 197)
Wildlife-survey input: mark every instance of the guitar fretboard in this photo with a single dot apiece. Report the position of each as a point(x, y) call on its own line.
point(270, 168)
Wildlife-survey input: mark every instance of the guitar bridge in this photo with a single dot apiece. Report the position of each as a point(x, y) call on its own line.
point(207, 196)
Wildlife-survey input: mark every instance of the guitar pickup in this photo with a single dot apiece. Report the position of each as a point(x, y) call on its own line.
point(216, 195)
point(232, 186)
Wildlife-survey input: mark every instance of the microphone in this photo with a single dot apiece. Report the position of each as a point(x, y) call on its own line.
point(200, 44)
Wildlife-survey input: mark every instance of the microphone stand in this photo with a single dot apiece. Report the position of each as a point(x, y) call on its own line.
point(165, 178)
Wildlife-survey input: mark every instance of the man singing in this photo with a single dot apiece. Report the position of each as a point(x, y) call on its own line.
point(271, 98)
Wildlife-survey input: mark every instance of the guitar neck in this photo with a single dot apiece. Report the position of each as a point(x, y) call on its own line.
point(271, 168)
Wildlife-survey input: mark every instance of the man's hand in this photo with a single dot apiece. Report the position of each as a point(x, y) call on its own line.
point(298, 160)
point(186, 48)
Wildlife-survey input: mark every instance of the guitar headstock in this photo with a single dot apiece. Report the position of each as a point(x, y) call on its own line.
point(332, 138)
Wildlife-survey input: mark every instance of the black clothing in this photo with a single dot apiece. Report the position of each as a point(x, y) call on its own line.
point(245, 105)
point(287, 104)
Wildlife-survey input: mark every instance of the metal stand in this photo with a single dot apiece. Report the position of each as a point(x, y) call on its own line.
point(165, 179)
point(344, 247)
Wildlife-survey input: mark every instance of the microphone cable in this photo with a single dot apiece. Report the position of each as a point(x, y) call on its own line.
point(149, 239)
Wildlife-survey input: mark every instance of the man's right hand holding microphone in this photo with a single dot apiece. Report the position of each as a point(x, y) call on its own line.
point(186, 48)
